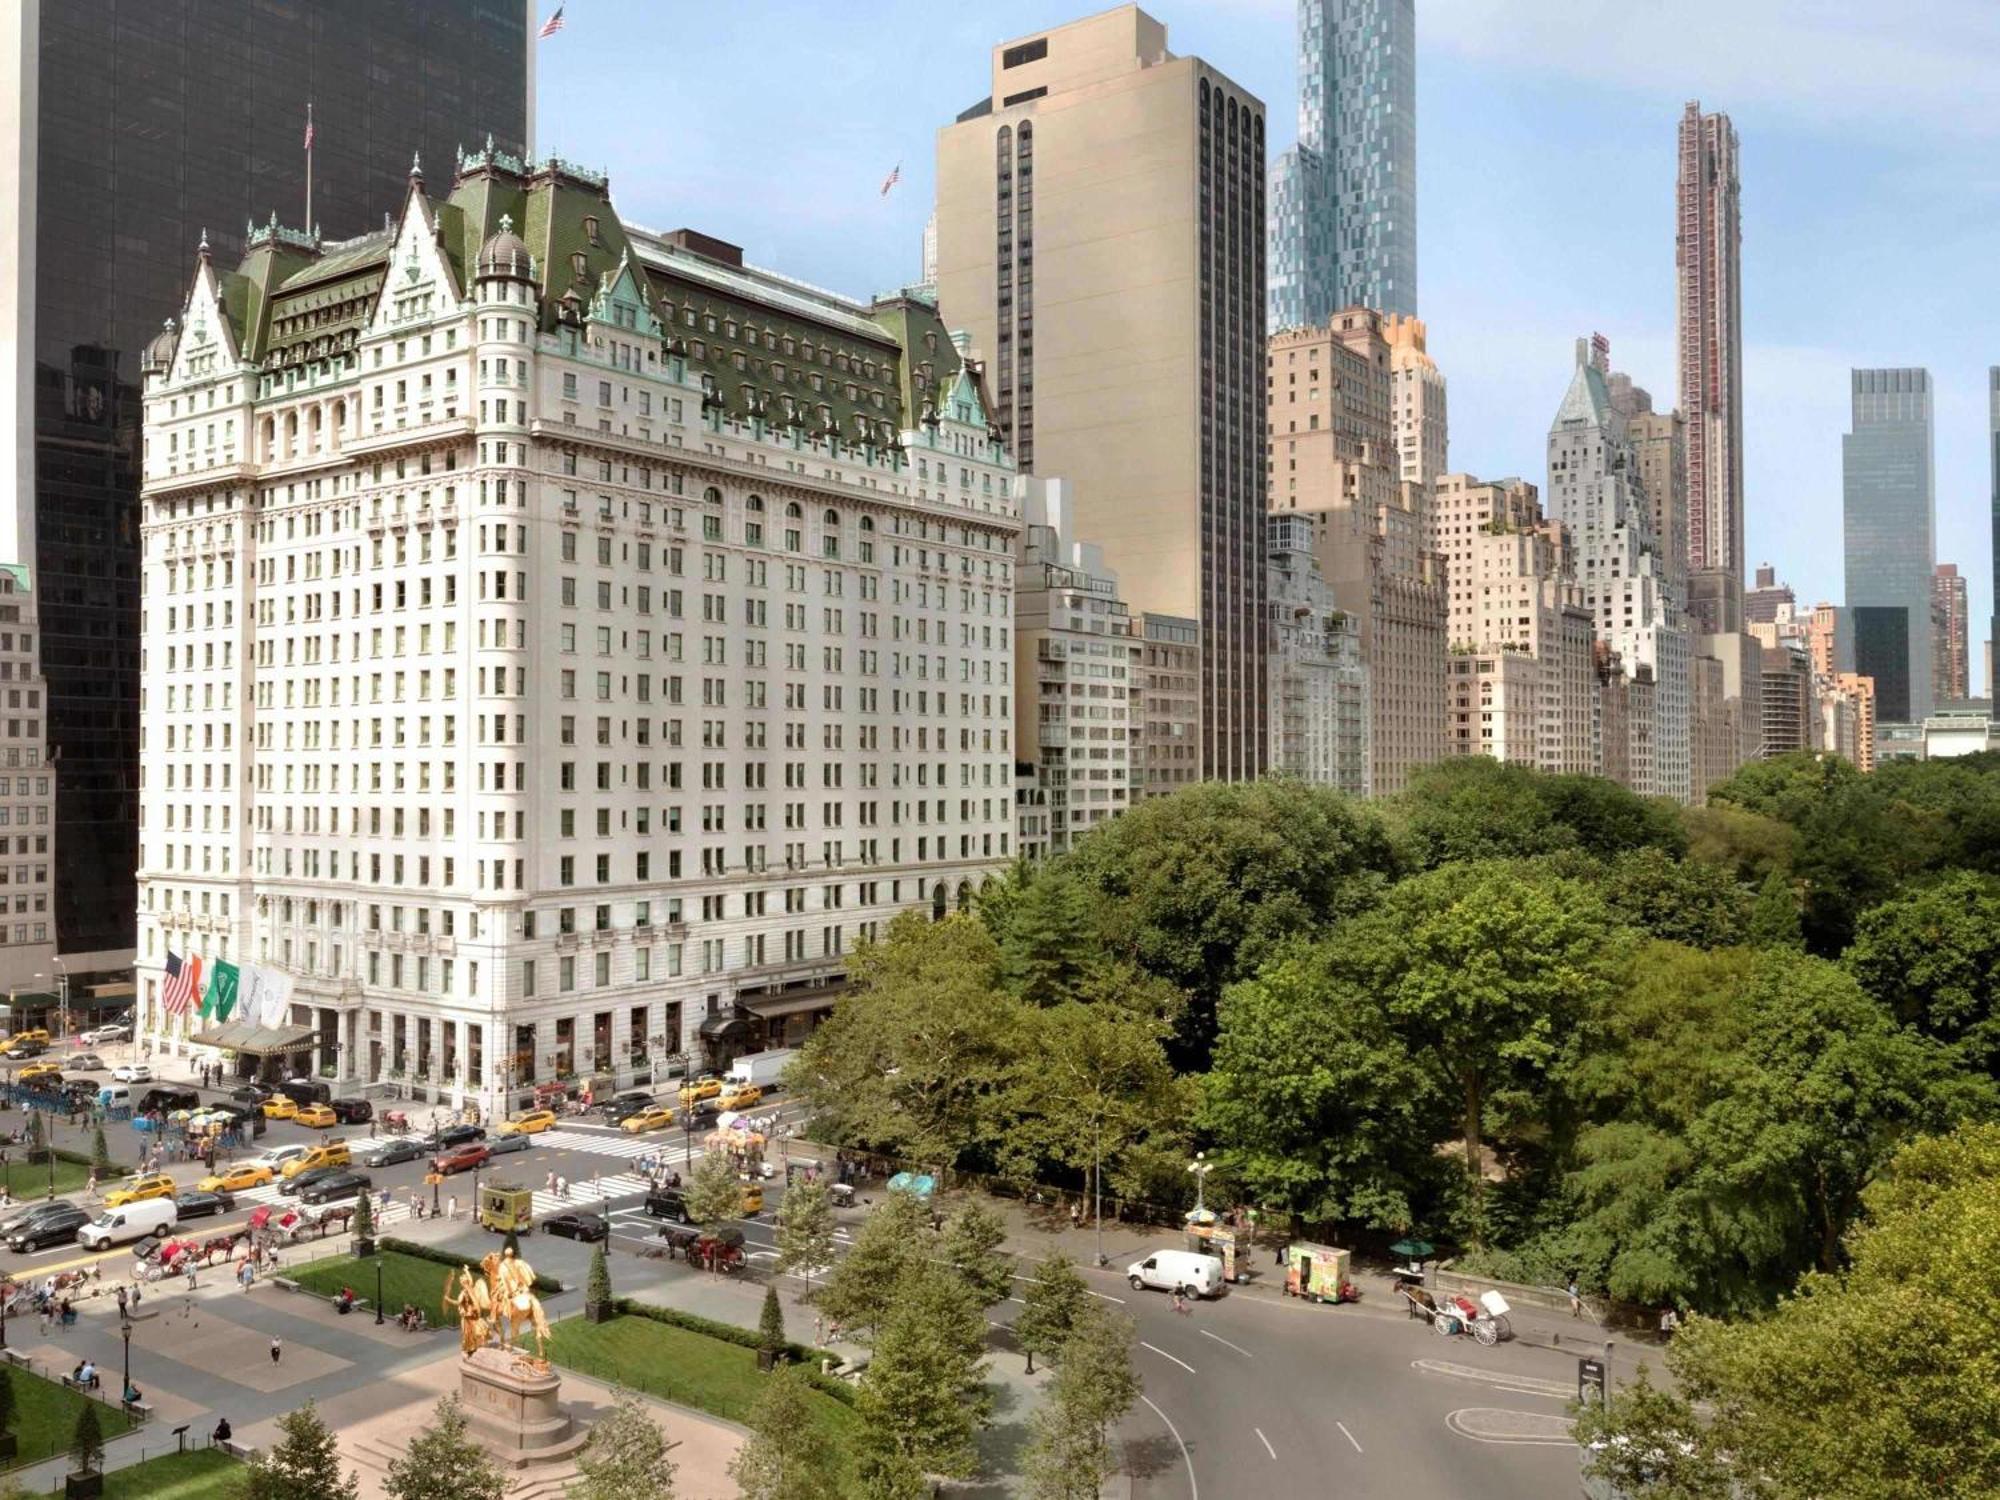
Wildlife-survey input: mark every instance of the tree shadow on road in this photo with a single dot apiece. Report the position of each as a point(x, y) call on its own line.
point(1149, 1457)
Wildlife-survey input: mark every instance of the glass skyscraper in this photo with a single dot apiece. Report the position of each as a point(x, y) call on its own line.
point(135, 125)
point(1890, 509)
point(1343, 201)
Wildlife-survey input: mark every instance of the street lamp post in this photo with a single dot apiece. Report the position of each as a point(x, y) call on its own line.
point(125, 1332)
point(1200, 1168)
point(1097, 1186)
point(378, 1291)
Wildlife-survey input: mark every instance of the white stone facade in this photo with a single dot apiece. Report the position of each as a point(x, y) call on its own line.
point(531, 709)
point(1320, 706)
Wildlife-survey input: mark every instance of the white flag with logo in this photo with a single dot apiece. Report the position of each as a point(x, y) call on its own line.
point(267, 995)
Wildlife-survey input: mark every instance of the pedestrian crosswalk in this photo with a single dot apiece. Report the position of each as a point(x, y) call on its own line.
point(589, 1193)
point(630, 1147)
point(398, 1209)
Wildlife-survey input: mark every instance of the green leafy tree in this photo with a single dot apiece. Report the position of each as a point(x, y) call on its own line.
point(1742, 1103)
point(1317, 1103)
point(805, 1229)
point(626, 1457)
point(923, 1397)
point(1932, 957)
point(38, 1140)
point(771, 1323)
point(100, 1151)
point(1200, 888)
point(910, 1062)
point(443, 1463)
point(1474, 808)
point(788, 1455)
point(1051, 1303)
point(714, 1191)
point(1682, 900)
point(867, 1281)
point(971, 1249)
point(1069, 1456)
point(597, 1289)
point(1092, 1084)
point(364, 1225)
point(86, 1441)
point(1874, 1380)
point(1746, 846)
point(1607, 820)
point(1648, 1441)
point(1048, 944)
point(1774, 916)
point(1482, 970)
point(304, 1464)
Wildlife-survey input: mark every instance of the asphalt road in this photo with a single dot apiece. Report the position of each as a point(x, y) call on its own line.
point(1249, 1394)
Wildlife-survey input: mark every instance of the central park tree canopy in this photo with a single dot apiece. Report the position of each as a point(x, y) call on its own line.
point(1558, 1026)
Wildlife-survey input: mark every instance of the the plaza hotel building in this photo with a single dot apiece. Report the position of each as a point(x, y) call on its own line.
point(562, 642)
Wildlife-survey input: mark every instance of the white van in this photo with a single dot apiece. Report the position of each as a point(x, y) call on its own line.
point(1181, 1271)
point(115, 1096)
point(134, 1221)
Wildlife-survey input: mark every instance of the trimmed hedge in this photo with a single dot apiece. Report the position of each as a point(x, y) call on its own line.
point(744, 1338)
point(547, 1285)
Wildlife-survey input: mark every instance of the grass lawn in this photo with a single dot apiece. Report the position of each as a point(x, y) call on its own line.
point(27, 1183)
point(176, 1476)
point(45, 1415)
point(405, 1278)
point(678, 1365)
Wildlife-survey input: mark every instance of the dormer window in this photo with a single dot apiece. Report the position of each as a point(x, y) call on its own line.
point(590, 229)
point(579, 264)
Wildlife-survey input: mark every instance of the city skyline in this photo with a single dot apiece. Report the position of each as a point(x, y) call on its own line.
point(1504, 291)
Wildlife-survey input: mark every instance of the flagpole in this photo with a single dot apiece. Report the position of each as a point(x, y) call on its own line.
point(307, 226)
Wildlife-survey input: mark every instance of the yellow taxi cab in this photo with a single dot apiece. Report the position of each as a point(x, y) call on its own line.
point(32, 1034)
point(534, 1122)
point(740, 1096)
point(281, 1107)
point(697, 1089)
point(656, 1118)
point(316, 1117)
point(38, 1070)
point(138, 1189)
point(235, 1179)
point(332, 1154)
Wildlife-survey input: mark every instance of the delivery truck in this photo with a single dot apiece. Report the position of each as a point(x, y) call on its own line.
point(765, 1070)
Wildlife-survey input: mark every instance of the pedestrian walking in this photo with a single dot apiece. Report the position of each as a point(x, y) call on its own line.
point(246, 1274)
point(90, 1187)
point(190, 1272)
point(1575, 1297)
point(122, 1310)
point(550, 1185)
point(451, 1206)
point(1670, 1322)
point(277, 1348)
point(562, 1188)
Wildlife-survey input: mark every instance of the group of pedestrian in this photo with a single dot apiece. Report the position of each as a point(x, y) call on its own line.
point(558, 1185)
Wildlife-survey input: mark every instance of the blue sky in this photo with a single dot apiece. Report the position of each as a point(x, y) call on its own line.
point(1871, 194)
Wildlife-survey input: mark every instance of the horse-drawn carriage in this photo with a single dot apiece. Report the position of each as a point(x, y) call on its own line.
point(1486, 1320)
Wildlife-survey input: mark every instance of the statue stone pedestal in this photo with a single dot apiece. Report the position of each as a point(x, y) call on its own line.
point(512, 1407)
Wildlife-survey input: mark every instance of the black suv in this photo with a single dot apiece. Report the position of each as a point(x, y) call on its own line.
point(668, 1203)
point(57, 1227)
point(455, 1135)
point(352, 1111)
point(167, 1099)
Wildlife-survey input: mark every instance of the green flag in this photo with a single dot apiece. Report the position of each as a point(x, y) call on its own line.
point(221, 996)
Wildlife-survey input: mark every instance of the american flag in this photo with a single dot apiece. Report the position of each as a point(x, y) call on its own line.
point(177, 994)
point(894, 177)
point(309, 127)
point(551, 26)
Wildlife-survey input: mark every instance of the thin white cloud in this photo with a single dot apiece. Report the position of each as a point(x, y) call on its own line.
point(1926, 63)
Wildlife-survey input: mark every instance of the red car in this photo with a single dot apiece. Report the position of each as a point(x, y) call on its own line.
point(464, 1159)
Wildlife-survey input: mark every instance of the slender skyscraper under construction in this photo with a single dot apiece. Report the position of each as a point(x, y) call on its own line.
point(1708, 244)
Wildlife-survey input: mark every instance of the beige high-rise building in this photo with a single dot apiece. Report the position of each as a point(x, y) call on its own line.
point(1521, 680)
point(1334, 457)
point(1951, 656)
point(1716, 737)
point(1167, 717)
point(1862, 691)
point(1822, 635)
point(1118, 191)
point(1417, 399)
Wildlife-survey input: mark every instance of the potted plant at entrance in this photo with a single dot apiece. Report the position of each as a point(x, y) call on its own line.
point(86, 1451)
point(364, 1227)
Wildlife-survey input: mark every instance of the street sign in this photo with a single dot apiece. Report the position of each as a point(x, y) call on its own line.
point(1590, 1381)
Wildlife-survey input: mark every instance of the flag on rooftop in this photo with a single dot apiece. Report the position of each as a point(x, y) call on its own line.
point(551, 26)
point(892, 179)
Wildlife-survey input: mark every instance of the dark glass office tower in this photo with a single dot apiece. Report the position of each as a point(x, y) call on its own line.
point(140, 124)
point(1890, 527)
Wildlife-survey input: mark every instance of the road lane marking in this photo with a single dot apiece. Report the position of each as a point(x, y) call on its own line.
point(1538, 1430)
point(1164, 1355)
point(1221, 1340)
point(1506, 1380)
point(1194, 1490)
point(1266, 1442)
point(1100, 1296)
point(1348, 1435)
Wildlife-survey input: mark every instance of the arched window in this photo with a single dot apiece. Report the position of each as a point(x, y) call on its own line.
point(712, 495)
point(755, 503)
point(792, 511)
